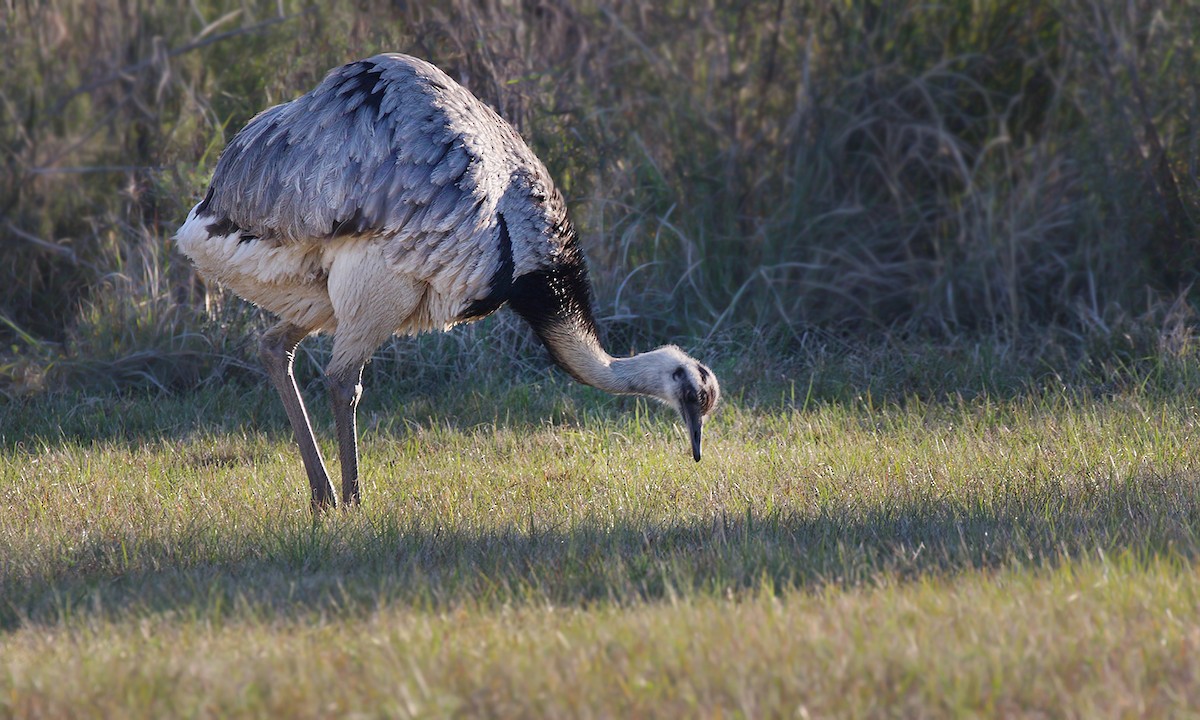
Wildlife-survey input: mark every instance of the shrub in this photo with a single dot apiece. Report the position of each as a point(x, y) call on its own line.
point(992, 167)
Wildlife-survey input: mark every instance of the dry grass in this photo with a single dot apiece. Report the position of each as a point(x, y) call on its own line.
point(1098, 638)
point(530, 552)
point(998, 167)
point(949, 523)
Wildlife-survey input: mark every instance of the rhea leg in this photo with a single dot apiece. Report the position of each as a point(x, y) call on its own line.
point(353, 344)
point(277, 350)
point(370, 300)
point(345, 390)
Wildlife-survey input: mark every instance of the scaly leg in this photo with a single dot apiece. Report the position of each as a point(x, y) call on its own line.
point(370, 300)
point(277, 351)
point(345, 390)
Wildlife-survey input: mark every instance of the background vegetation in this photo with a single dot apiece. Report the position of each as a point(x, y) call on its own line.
point(942, 256)
point(800, 172)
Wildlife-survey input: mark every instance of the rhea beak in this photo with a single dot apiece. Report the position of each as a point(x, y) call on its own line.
point(694, 422)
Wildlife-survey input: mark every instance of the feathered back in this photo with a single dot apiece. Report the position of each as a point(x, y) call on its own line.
point(389, 146)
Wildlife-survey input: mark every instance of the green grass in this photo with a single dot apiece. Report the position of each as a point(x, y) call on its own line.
point(541, 549)
point(982, 166)
point(991, 512)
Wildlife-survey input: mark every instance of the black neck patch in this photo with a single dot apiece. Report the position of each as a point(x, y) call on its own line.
point(557, 298)
point(500, 286)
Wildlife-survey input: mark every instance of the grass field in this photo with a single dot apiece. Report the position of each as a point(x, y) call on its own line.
point(942, 255)
point(541, 549)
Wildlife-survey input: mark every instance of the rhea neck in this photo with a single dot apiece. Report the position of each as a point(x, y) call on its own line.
point(576, 348)
point(557, 303)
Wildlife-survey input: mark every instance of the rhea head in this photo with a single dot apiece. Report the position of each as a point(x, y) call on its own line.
point(678, 380)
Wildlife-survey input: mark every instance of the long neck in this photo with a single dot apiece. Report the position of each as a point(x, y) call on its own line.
point(556, 302)
point(577, 350)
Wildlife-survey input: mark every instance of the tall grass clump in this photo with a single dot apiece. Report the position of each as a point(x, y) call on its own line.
point(953, 165)
point(776, 168)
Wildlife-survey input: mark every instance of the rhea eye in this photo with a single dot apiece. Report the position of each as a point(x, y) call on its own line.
point(678, 374)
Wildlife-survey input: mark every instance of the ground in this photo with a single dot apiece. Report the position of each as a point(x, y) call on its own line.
point(542, 549)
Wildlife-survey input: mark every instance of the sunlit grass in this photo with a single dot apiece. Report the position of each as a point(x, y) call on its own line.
point(535, 550)
point(1112, 637)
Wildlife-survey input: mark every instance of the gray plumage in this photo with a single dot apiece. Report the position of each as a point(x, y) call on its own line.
point(389, 199)
point(390, 146)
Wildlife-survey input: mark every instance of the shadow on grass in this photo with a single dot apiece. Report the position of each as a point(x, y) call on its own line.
point(50, 421)
point(350, 564)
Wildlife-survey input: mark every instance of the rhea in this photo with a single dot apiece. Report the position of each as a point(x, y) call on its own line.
point(390, 200)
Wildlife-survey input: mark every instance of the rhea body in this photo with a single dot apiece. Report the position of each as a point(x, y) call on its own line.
point(390, 200)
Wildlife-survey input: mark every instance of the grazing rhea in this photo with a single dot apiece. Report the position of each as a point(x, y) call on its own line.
point(391, 200)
